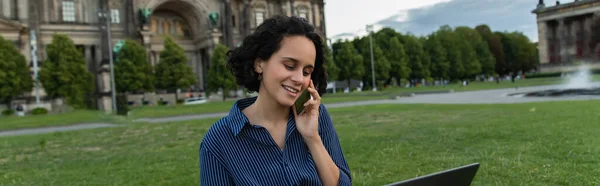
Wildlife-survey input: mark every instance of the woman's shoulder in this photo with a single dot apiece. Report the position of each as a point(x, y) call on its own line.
point(216, 131)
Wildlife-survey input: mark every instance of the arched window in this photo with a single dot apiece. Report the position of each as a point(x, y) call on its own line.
point(260, 14)
point(302, 11)
point(168, 23)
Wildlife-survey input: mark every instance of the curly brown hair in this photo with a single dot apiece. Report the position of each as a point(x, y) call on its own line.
point(265, 41)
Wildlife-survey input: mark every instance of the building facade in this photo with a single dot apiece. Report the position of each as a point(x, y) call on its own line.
point(196, 25)
point(569, 33)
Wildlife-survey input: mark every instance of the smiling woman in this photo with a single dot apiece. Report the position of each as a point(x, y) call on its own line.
point(263, 141)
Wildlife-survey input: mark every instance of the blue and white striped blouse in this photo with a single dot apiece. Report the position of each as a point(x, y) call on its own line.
point(235, 152)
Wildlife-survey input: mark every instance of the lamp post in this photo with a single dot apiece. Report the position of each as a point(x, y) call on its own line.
point(33, 43)
point(104, 14)
point(370, 29)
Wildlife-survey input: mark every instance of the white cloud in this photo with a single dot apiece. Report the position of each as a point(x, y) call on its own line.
point(353, 15)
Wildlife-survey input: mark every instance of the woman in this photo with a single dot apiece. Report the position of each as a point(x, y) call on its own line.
point(263, 141)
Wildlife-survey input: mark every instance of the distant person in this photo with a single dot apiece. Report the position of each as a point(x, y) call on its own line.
point(262, 141)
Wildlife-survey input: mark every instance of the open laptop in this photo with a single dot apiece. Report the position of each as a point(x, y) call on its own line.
point(460, 176)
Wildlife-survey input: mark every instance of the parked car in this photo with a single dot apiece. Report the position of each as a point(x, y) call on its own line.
point(195, 101)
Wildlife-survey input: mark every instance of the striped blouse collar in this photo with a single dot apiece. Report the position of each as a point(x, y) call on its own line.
point(237, 119)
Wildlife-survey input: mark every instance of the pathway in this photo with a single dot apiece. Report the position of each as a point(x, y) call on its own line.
point(497, 96)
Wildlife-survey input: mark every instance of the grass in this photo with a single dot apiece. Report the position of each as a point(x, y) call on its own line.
point(552, 143)
point(75, 117)
point(225, 106)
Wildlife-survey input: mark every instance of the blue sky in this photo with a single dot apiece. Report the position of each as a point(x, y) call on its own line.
point(425, 16)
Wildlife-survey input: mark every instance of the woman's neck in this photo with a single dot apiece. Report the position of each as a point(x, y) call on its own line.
point(267, 111)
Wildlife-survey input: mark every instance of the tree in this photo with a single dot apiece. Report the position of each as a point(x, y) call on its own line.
point(469, 39)
point(485, 57)
point(172, 72)
point(449, 41)
point(351, 63)
point(64, 73)
point(219, 76)
point(416, 59)
point(330, 66)
point(14, 72)
point(132, 70)
point(495, 47)
point(398, 60)
point(381, 64)
point(440, 66)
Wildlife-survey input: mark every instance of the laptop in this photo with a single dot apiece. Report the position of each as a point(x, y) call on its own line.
point(460, 176)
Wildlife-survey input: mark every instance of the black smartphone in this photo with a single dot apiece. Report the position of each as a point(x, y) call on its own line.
point(304, 97)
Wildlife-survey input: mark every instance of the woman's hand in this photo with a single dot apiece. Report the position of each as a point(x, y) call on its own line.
point(307, 122)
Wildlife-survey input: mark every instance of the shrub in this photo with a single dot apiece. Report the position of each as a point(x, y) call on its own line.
point(8, 112)
point(39, 111)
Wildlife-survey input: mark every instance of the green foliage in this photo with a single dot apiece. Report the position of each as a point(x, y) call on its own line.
point(172, 72)
point(65, 75)
point(398, 60)
point(352, 67)
point(382, 66)
point(39, 111)
point(122, 105)
point(495, 47)
point(485, 57)
point(330, 65)
point(132, 71)
point(8, 112)
point(440, 66)
point(449, 41)
point(416, 58)
point(219, 76)
point(468, 40)
point(520, 53)
point(15, 77)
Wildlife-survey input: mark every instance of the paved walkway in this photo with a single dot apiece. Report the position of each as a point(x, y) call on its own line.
point(497, 96)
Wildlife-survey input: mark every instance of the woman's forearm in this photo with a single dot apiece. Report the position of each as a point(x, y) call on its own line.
point(328, 171)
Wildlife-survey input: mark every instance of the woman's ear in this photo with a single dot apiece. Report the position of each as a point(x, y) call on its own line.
point(258, 66)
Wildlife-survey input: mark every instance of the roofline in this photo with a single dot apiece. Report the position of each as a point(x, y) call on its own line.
point(561, 6)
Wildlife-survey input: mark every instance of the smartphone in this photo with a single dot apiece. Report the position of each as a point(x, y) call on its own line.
point(304, 97)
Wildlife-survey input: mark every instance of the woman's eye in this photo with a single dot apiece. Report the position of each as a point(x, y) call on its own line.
point(289, 67)
point(306, 73)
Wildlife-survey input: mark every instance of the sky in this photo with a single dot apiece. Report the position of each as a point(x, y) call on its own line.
point(348, 18)
point(353, 15)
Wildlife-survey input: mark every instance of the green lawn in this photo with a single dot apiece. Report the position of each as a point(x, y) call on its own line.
point(473, 86)
point(76, 117)
point(223, 106)
point(552, 143)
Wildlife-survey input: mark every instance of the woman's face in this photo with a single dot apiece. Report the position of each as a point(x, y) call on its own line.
point(287, 73)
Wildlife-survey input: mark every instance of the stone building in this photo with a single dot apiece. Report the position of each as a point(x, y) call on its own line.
point(191, 23)
point(569, 32)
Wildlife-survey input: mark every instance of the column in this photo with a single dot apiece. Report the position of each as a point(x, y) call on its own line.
point(6, 8)
point(574, 39)
point(562, 39)
point(88, 57)
point(199, 69)
point(597, 47)
point(543, 42)
point(587, 35)
point(23, 10)
point(156, 57)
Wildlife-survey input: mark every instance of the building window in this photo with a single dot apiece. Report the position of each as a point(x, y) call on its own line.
point(260, 17)
point(114, 16)
point(233, 20)
point(303, 12)
point(68, 11)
